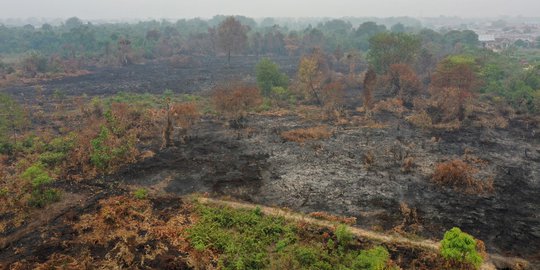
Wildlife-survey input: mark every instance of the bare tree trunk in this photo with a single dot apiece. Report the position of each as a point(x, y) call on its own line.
point(167, 142)
point(319, 102)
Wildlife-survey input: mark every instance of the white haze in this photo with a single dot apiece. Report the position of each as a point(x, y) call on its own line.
point(123, 9)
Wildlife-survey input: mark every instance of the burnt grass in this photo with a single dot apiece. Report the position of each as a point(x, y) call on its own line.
point(201, 73)
point(327, 175)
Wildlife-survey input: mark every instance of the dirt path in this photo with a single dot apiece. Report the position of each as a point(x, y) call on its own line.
point(424, 244)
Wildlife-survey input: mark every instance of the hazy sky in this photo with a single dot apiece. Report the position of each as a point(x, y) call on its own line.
point(110, 9)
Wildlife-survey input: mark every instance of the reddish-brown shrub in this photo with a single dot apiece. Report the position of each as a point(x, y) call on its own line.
point(306, 134)
point(185, 114)
point(332, 95)
point(449, 104)
point(235, 101)
point(394, 105)
point(420, 119)
point(403, 81)
point(181, 115)
point(456, 71)
point(461, 175)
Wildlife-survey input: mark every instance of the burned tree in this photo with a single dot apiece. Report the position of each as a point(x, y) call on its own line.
point(179, 116)
point(370, 80)
point(232, 36)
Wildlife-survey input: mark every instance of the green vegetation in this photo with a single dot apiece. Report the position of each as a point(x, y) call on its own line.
point(269, 76)
point(101, 154)
point(343, 236)
point(57, 150)
point(37, 175)
point(459, 247)
point(372, 259)
point(41, 198)
point(250, 240)
point(392, 48)
point(140, 194)
point(12, 121)
point(39, 179)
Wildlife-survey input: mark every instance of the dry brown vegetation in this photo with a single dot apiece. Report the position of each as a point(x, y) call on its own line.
point(393, 105)
point(181, 116)
point(460, 175)
point(302, 135)
point(333, 218)
point(131, 233)
point(403, 82)
point(235, 101)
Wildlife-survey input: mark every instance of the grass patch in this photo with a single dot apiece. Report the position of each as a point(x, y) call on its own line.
point(247, 239)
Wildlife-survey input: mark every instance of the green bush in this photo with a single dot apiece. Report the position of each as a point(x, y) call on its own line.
point(12, 121)
point(4, 192)
point(140, 194)
point(52, 158)
point(37, 175)
point(100, 155)
point(247, 239)
point(460, 247)
point(343, 235)
point(243, 237)
point(283, 94)
point(372, 259)
point(39, 179)
point(39, 198)
point(57, 150)
point(269, 76)
point(306, 256)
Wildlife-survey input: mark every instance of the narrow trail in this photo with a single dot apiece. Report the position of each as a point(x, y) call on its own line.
point(423, 244)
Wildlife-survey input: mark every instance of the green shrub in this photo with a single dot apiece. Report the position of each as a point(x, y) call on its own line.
point(306, 256)
point(269, 76)
point(100, 155)
point(140, 194)
point(247, 239)
point(39, 198)
point(37, 175)
point(242, 236)
point(460, 247)
point(343, 235)
point(372, 259)
point(283, 94)
point(4, 192)
point(265, 106)
point(52, 158)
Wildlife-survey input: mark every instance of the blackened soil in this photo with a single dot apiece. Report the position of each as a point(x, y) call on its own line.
point(330, 176)
point(154, 77)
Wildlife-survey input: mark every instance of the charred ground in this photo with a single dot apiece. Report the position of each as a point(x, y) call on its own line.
point(256, 164)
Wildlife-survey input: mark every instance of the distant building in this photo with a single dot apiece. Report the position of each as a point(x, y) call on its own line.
point(486, 38)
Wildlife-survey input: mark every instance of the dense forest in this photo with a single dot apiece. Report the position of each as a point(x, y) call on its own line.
point(404, 131)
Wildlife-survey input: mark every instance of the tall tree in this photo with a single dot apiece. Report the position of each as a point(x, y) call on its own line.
point(392, 48)
point(12, 120)
point(456, 71)
point(232, 36)
point(312, 75)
